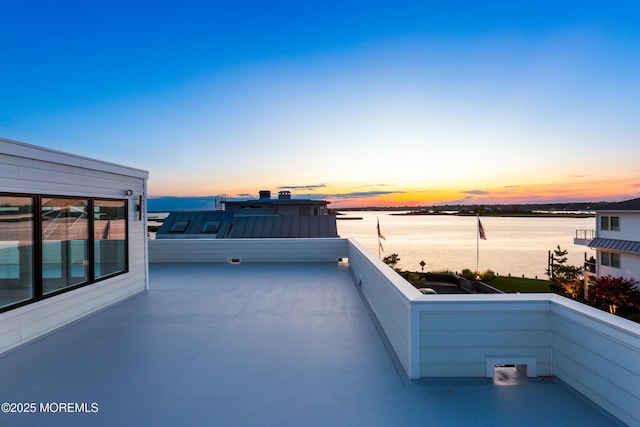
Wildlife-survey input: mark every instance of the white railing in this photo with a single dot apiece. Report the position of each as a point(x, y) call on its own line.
point(583, 234)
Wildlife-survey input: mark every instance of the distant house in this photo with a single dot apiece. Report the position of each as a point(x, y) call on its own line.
point(616, 239)
point(284, 205)
point(265, 217)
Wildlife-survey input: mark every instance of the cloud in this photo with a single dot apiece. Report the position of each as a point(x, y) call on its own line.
point(512, 186)
point(476, 192)
point(361, 194)
point(364, 194)
point(303, 187)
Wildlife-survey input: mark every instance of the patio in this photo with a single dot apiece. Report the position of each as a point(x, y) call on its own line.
point(270, 344)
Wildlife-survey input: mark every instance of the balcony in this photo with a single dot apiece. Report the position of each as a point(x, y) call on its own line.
point(584, 237)
point(320, 332)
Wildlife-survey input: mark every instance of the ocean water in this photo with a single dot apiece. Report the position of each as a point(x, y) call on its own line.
point(514, 245)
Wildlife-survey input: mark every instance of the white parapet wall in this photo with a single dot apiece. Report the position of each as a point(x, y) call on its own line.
point(389, 296)
point(237, 251)
point(594, 352)
point(466, 335)
point(598, 354)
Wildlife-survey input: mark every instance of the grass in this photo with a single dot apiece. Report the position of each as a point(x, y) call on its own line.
point(519, 284)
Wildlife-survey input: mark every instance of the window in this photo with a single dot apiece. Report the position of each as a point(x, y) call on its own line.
point(65, 238)
point(615, 260)
point(16, 250)
point(179, 227)
point(210, 227)
point(615, 223)
point(109, 237)
point(610, 223)
point(49, 245)
point(610, 259)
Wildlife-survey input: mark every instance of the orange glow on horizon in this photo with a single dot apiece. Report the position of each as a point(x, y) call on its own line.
point(348, 196)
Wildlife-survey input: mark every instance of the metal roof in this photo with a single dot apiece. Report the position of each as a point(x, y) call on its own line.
point(627, 205)
point(615, 245)
point(245, 227)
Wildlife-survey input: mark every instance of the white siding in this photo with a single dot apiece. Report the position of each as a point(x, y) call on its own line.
point(629, 267)
point(629, 226)
point(34, 170)
point(389, 296)
point(598, 354)
point(459, 333)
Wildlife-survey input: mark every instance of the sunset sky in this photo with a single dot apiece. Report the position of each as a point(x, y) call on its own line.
point(357, 102)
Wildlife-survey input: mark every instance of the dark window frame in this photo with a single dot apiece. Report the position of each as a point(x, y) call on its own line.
point(38, 246)
point(37, 239)
point(616, 260)
point(33, 260)
point(610, 223)
point(610, 259)
point(126, 244)
point(614, 225)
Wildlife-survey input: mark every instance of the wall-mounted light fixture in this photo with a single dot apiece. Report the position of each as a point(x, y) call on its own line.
point(128, 192)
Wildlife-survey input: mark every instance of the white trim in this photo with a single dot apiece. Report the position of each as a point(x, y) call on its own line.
point(33, 152)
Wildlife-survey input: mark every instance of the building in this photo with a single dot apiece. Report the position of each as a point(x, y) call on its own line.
point(616, 239)
point(72, 239)
point(265, 217)
point(285, 331)
point(284, 205)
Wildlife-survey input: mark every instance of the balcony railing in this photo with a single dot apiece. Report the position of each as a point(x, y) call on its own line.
point(586, 234)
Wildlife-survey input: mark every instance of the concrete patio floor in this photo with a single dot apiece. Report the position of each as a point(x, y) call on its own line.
point(256, 345)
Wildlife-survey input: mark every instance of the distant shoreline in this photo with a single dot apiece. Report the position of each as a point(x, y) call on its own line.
point(507, 214)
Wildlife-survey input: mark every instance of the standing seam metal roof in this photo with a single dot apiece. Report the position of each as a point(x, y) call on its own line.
point(616, 245)
point(250, 226)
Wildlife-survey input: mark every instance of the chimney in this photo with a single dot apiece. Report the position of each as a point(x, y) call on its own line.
point(265, 194)
point(284, 195)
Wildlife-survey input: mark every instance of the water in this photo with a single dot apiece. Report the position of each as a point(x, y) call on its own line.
point(515, 245)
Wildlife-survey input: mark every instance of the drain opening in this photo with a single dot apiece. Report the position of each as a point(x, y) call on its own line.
point(510, 374)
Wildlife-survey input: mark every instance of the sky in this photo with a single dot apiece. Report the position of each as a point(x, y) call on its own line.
point(362, 103)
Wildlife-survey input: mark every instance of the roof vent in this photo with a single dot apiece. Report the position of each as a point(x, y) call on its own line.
point(265, 194)
point(284, 195)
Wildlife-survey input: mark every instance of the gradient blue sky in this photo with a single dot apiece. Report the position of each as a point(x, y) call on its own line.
point(361, 103)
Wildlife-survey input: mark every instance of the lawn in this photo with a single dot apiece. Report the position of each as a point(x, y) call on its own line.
point(519, 284)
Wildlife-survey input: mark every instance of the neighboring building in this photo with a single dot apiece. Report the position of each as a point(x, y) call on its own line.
point(283, 217)
point(284, 205)
point(72, 238)
point(616, 239)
